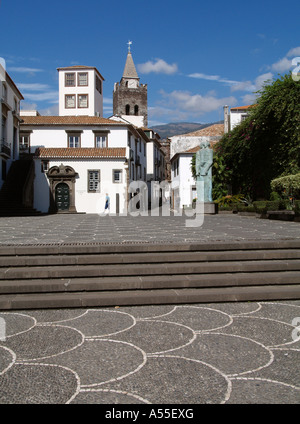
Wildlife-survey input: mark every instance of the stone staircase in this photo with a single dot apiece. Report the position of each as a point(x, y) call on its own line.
point(91, 275)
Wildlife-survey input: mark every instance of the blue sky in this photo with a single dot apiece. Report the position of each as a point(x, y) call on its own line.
point(195, 56)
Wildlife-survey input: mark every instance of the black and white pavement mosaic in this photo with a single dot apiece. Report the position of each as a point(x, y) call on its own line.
point(228, 353)
point(93, 228)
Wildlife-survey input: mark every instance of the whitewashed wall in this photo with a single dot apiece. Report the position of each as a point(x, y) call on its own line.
point(54, 137)
point(95, 103)
point(236, 118)
point(85, 201)
point(184, 181)
point(9, 136)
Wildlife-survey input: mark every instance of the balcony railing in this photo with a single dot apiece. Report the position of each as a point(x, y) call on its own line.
point(5, 147)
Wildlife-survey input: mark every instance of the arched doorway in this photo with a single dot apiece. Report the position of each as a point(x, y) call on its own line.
point(62, 188)
point(62, 197)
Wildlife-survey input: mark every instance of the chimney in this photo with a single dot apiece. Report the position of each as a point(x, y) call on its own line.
point(226, 119)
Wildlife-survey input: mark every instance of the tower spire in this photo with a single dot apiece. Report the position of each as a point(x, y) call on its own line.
point(129, 70)
point(129, 44)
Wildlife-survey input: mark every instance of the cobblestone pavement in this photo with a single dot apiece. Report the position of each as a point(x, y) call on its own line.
point(190, 354)
point(84, 228)
point(244, 352)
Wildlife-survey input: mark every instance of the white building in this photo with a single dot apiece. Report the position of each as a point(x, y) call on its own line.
point(234, 117)
point(10, 98)
point(183, 183)
point(80, 159)
point(80, 91)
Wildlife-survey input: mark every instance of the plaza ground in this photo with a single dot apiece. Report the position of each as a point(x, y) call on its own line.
point(232, 352)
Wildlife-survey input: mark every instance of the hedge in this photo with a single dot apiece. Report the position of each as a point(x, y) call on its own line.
point(289, 184)
point(270, 205)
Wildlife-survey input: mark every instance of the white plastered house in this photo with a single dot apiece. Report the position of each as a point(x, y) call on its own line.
point(10, 98)
point(80, 159)
point(183, 182)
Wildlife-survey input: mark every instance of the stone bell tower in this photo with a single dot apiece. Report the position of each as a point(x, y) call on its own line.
point(129, 96)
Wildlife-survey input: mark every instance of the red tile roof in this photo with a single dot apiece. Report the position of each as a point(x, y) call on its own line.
point(80, 152)
point(241, 107)
point(215, 130)
point(68, 120)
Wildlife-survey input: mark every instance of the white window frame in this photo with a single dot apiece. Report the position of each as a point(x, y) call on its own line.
point(66, 101)
point(115, 181)
point(81, 101)
point(74, 140)
point(100, 140)
point(79, 82)
point(73, 78)
point(94, 181)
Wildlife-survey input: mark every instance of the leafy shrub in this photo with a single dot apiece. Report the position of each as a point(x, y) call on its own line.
point(290, 185)
point(245, 208)
point(260, 206)
point(275, 196)
point(230, 200)
point(297, 208)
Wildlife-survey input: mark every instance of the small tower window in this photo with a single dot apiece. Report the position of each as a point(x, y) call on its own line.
point(136, 110)
point(127, 110)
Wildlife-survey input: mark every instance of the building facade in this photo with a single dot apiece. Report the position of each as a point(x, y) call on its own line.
point(79, 160)
point(10, 98)
point(80, 91)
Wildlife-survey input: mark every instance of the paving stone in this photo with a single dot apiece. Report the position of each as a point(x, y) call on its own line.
point(241, 352)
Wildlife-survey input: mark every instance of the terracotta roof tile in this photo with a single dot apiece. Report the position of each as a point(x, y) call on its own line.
point(68, 120)
point(241, 107)
point(80, 152)
point(216, 130)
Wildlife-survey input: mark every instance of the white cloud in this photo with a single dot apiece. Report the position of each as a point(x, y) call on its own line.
point(39, 97)
point(50, 111)
point(249, 99)
point(196, 103)
point(158, 67)
point(235, 85)
point(282, 65)
point(285, 63)
point(33, 87)
point(294, 52)
point(23, 69)
point(199, 75)
point(28, 106)
point(243, 86)
point(107, 100)
point(262, 80)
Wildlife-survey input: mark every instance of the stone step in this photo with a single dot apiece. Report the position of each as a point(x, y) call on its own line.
point(146, 258)
point(107, 248)
point(134, 269)
point(148, 282)
point(148, 297)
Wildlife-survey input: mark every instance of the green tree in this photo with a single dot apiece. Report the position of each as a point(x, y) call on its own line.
point(266, 145)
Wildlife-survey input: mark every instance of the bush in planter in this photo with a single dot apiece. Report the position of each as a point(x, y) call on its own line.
point(289, 185)
point(260, 206)
point(245, 208)
point(229, 200)
point(297, 208)
point(273, 205)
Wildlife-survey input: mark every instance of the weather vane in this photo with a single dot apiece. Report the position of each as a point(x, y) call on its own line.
point(129, 44)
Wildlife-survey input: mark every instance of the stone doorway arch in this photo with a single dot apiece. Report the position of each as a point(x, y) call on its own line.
point(62, 177)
